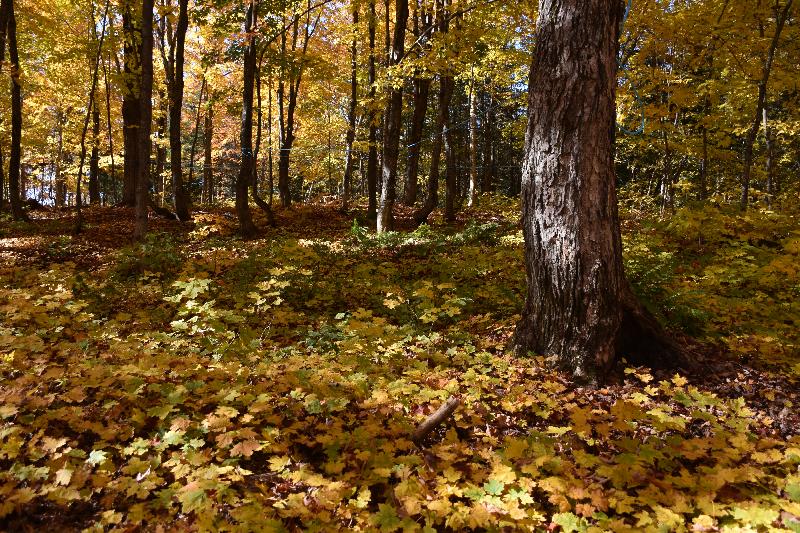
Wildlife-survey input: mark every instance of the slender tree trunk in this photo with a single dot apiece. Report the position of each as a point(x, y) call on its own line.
point(372, 157)
point(351, 117)
point(421, 93)
point(264, 206)
point(146, 119)
point(770, 155)
point(451, 177)
point(704, 166)
point(91, 109)
point(161, 154)
point(269, 141)
point(61, 184)
point(110, 132)
point(432, 199)
point(193, 149)
point(472, 194)
point(780, 21)
point(487, 177)
point(246, 226)
point(394, 111)
point(94, 162)
point(579, 306)
point(208, 168)
point(14, 173)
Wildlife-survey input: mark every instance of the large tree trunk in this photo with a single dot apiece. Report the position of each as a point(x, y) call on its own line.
point(146, 119)
point(450, 173)
point(351, 115)
point(14, 178)
point(195, 135)
point(579, 305)
point(246, 226)
point(780, 21)
point(487, 176)
point(131, 106)
point(372, 157)
point(394, 112)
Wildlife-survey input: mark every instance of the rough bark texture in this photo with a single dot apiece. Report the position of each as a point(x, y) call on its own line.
point(472, 194)
point(579, 306)
point(246, 226)
point(450, 172)
point(146, 119)
point(394, 112)
point(264, 206)
point(4, 11)
point(131, 106)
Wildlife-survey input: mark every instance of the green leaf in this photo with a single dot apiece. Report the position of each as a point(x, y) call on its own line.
point(97, 457)
point(569, 522)
point(494, 487)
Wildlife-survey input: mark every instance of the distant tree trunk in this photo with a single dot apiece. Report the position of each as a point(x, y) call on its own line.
point(131, 105)
point(704, 166)
point(780, 21)
point(472, 194)
point(264, 206)
point(94, 162)
point(208, 169)
point(91, 109)
point(666, 182)
point(161, 152)
point(293, 74)
point(15, 157)
point(394, 111)
point(246, 226)
point(270, 173)
point(451, 177)
point(432, 199)
point(351, 116)
point(421, 92)
point(487, 178)
point(579, 306)
point(146, 119)
point(770, 154)
point(110, 130)
point(61, 184)
point(372, 157)
point(193, 149)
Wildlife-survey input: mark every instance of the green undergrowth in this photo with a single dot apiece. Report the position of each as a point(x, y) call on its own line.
point(207, 383)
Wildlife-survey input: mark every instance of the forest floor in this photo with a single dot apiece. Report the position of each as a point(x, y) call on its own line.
point(200, 382)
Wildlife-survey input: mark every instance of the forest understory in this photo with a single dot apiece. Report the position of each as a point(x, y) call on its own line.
point(198, 381)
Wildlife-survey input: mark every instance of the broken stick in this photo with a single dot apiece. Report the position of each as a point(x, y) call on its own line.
point(441, 414)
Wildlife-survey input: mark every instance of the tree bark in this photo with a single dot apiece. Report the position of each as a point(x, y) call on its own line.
point(146, 119)
point(704, 166)
point(421, 92)
point(131, 106)
point(208, 162)
point(394, 111)
point(450, 173)
point(432, 199)
point(175, 111)
point(372, 157)
point(264, 206)
point(4, 12)
point(246, 226)
point(193, 149)
point(487, 176)
point(94, 161)
point(472, 194)
point(579, 306)
point(351, 114)
point(770, 158)
point(780, 21)
point(15, 157)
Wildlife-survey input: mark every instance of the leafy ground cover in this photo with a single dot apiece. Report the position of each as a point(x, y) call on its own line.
point(201, 382)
